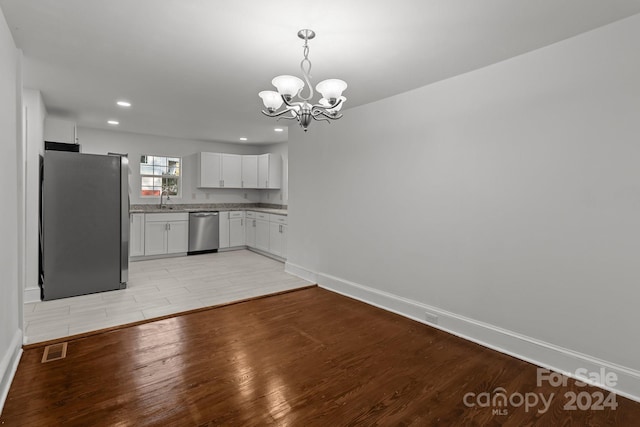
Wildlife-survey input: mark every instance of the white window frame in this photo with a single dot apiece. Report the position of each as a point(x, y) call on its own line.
point(177, 177)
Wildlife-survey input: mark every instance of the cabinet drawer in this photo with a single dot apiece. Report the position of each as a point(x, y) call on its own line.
point(166, 217)
point(250, 214)
point(236, 214)
point(262, 215)
point(280, 219)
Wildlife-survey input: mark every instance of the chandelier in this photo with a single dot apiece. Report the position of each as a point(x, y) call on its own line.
point(327, 108)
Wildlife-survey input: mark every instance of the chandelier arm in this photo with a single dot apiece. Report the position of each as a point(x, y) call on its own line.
point(287, 103)
point(323, 112)
point(275, 114)
point(287, 118)
point(321, 119)
point(324, 107)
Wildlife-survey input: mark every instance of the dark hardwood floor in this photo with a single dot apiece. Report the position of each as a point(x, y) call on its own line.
point(305, 358)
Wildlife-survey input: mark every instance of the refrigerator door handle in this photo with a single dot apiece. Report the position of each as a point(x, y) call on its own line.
point(124, 223)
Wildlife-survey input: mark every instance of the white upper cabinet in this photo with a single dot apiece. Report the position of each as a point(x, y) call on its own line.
point(217, 170)
point(250, 171)
point(232, 171)
point(209, 170)
point(59, 130)
point(269, 170)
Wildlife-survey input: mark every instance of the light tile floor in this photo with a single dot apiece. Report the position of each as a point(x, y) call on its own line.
point(158, 288)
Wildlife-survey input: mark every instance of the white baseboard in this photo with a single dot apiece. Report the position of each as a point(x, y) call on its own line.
point(301, 272)
point(31, 294)
point(531, 350)
point(267, 254)
point(9, 366)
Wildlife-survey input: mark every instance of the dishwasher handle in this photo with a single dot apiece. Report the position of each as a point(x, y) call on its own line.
point(204, 214)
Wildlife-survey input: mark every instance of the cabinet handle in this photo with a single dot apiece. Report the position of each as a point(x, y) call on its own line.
point(241, 222)
point(254, 222)
point(242, 184)
point(266, 183)
point(169, 227)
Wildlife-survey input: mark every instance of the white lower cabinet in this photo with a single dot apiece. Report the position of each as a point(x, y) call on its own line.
point(177, 237)
point(262, 235)
point(267, 233)
point(166, 233)
point(236, 232)
point(136, 234)
point(250, 229)
point(278, 235)
point(232, 229)
point(223, 230)
point(277, 239)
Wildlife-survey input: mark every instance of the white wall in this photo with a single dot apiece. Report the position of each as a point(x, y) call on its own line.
point(10, 106)
point(97, 141)
point(34, 147)
point(507, 200)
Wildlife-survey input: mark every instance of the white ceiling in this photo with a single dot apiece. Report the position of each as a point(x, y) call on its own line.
point(193, 68)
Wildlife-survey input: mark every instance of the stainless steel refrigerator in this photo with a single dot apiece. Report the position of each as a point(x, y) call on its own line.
point(84, 224)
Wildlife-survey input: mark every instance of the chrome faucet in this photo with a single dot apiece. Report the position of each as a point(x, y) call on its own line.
point(162, 193)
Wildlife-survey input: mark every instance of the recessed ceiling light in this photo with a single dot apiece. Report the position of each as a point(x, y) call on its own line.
point(124, 103)
point(279, 130)
point(113, 122)
point(243, 139)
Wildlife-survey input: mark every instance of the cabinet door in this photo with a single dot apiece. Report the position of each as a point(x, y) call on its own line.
point(250, 171)
point(275, 238)
point(263, 171)
point(250, 232)
point(231, 171)
point(262, 235)
point(283, 231)
point(269, 171)
point(210, 170)
point(275, 171)
point(177, 237)
point(136, 238)
point(155, 238)
point(224, 230)
point(236, 232)
point(60, 130)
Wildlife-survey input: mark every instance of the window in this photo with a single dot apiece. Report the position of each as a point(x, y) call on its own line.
point(157, 174)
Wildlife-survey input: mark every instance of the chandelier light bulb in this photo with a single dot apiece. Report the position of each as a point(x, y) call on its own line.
point(272, 100)
point(288, 85)
point(331, 89)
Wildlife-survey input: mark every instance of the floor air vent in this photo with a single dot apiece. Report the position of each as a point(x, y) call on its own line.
point(54, 352)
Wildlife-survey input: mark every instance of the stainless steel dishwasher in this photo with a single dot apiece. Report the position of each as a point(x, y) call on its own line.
point(204, 232)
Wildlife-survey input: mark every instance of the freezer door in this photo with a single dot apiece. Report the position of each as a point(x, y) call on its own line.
point(81, 224)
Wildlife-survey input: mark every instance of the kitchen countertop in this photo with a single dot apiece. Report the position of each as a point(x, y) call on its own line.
point(197, 208)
